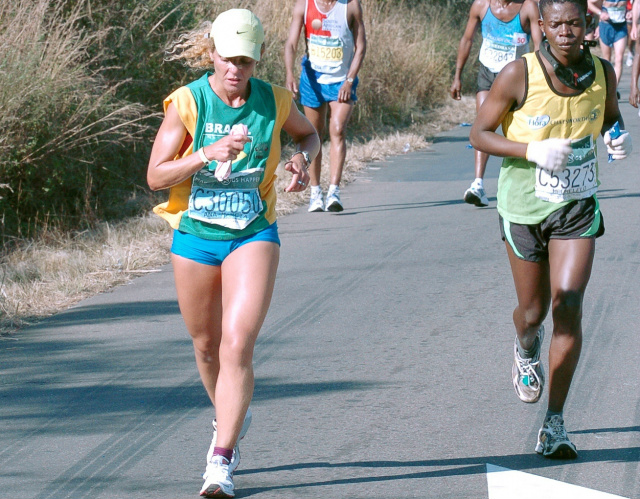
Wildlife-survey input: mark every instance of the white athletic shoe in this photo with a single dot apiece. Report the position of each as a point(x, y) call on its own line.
point(218, 479)
point(333, 201)
point(476, 195)
point(235, 458)
point(629, 59)
point(528, 374)
point(553, 441)
point(316, 203)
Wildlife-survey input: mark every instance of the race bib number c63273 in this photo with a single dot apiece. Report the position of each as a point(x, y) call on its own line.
point(579, 180)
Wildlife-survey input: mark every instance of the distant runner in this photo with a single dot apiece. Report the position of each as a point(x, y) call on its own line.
point(634, 96)
point(335, 48)
point(552, 105)
point(613, 31)
point(506, 30)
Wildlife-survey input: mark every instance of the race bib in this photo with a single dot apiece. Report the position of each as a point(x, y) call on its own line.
point(495, 55)
point(578, 181)
point(233, 203)
point(324, 49)
point(617, 13)
point(520, 39)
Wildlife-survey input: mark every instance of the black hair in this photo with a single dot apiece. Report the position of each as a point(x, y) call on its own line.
point(545, 4)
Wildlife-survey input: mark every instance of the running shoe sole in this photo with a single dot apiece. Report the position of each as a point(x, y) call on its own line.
point(218, 492)
point(562, 451)
point(335, 207)
point(471, 198)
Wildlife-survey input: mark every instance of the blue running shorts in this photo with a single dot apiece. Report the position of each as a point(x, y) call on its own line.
point(610, 33)
point(210, 252)
point(314, 94)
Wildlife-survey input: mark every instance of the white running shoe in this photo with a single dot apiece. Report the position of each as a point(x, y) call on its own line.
point(528, 374)
point(218, 479)
point(333, 201)
point(629, 59)
point(235, 458)
point(553, 441)
point(316, 203)
point(476, 195)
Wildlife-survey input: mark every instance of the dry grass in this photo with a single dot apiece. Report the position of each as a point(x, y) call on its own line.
point(61, 111)
point(60, 269)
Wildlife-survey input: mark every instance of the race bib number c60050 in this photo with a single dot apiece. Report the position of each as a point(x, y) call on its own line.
point(579, 180)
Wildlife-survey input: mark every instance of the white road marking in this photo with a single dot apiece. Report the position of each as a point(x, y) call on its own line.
point(508, 484)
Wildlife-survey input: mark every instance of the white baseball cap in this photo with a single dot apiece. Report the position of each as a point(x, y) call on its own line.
point(238, 32)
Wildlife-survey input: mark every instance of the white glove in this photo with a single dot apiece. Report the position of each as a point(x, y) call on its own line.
point(618, 148)
point(550, 154)
point(223, 170)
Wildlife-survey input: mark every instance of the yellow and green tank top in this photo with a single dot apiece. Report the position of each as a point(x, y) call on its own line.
point(245, 202)
point(528, 194)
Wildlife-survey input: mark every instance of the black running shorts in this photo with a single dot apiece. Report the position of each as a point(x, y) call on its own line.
point(577, 220)
point(485, 79)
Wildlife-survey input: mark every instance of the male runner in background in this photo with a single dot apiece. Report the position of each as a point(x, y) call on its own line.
point(335, 48)
point(613, 31)
point(506, 27)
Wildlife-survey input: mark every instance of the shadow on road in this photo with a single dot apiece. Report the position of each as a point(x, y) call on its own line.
point(461, 466)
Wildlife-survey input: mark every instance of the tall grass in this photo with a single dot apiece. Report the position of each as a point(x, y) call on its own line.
point(60, 121)
point(81, 87)
point(81, 82)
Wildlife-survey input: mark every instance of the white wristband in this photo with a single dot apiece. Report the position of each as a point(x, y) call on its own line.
point(203, 157)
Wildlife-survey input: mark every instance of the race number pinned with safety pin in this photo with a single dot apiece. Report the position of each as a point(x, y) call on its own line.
point(579, 180)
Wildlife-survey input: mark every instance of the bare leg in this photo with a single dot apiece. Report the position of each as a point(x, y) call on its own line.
point(340, 115)
point(318, 117)
point(531, 280)
point(618, 64)
point(481, 158)
point(199, 290)
point(248, 278)
point(224, 308)
point(606, 51)
point(570, 263)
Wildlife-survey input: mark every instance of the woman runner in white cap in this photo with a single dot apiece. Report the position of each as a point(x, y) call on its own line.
point(217, 150)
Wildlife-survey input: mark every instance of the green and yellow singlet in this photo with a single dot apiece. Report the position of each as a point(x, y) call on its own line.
point(528, 194)
point(244, 203)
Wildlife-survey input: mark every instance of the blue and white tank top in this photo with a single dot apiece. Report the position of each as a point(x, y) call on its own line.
point(502, 42)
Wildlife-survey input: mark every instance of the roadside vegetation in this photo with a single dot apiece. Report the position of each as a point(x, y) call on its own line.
point(81, 86)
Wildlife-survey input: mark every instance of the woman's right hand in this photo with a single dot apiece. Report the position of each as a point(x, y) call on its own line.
point(227, 148)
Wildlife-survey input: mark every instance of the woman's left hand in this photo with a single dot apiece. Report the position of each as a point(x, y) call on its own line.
point(300, 176)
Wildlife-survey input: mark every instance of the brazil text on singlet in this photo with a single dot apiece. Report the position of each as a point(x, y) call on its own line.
point(244, 203)
point(528, 194)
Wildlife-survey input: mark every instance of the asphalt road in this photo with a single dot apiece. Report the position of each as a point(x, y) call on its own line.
point(383, 368)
